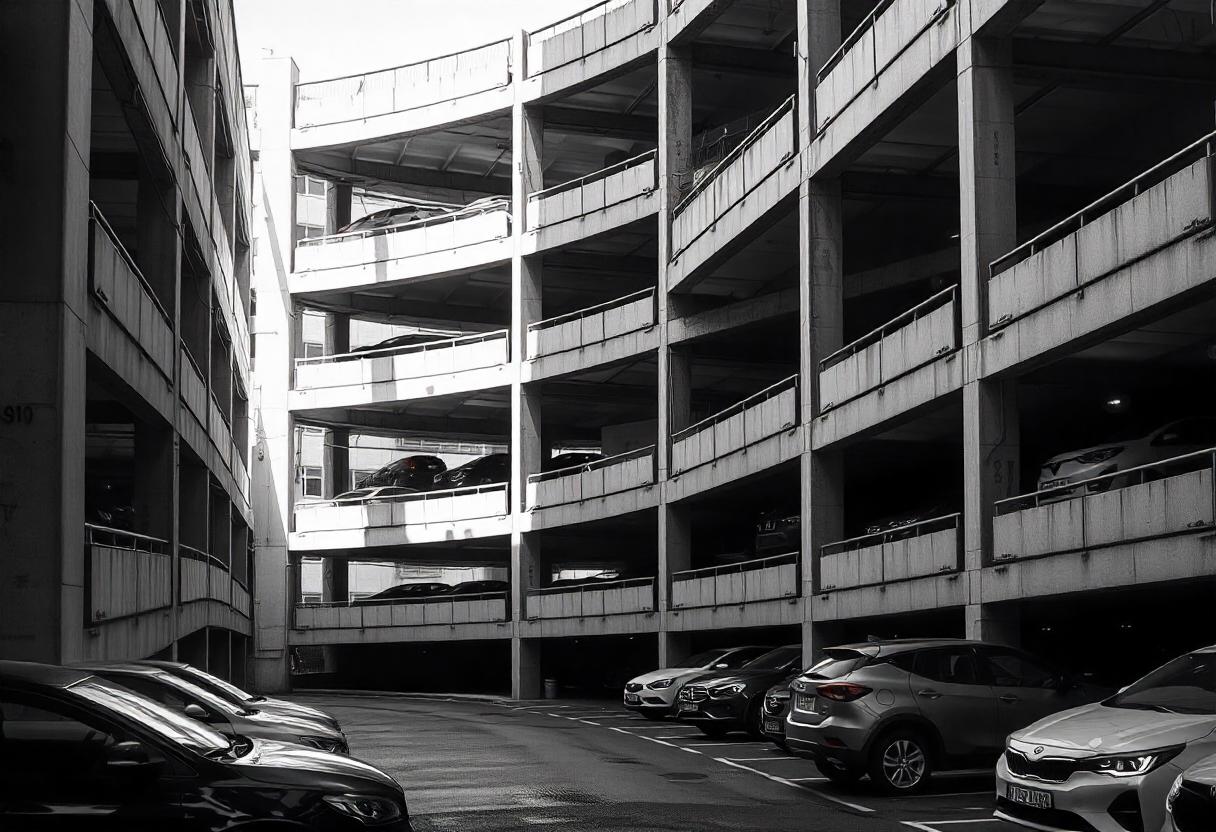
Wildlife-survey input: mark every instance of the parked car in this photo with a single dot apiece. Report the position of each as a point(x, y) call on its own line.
point(241, 698)
point(776, 709)
point(899, 526)
point(417, 472)
point(485, 470)
point(1110, 766)
point(479, 588)
point(406, 592)
point(571, 459)
point(1190, 805)
point(653, 694)
point(80, 752)
point(779, 530)
point(900, 710)
point(398, 215)
point(411, 339)
point(1176, 438)
point(719, 701)
point(378, 494)
point(193, 701)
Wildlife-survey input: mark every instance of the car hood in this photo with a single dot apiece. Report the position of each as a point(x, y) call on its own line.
point(1100, 729)
point(676, 673)
point(763, 678)
point(295, 765)
point(286, 723)
point(1065, 456)
point(282, 706)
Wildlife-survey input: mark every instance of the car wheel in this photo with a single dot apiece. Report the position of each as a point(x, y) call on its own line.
point(900, 763)
point(654, 715)
point(839, 775)
point(714, 731)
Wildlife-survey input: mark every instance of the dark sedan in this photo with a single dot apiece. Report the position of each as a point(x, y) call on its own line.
point(81, 752)
point(775, 709)
point(405, 592)
point(417, 472)
point(479, 588)
point(718, 702)
point(485, 470)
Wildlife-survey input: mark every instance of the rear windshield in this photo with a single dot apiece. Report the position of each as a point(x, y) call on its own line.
point(703, 659)
point(1187, 685)
point(775, 659)
point(837, 663)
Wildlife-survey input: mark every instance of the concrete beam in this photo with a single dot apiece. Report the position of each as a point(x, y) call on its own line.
point(364, 172)
point(1064, 62)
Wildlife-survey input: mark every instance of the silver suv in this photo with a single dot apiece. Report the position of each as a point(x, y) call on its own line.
point(899, 710)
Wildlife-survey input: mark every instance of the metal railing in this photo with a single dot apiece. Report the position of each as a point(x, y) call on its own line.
point(446, 343)
point(918, 529)
point(1137, 475)
point(597, 175)
point(736, 153)
point(594, 465)
point(360, 82)
point(1202, 147)
point(447, 602)
point(746, 569)
point(459, 214)
point(128, 541)
point(421, 496)
point(199, 555)
point(578, 21)
point(583, 589)
point(98, 219)
point(732, 568)
point(96, 535)
point(901, 320)
point(599, 308)
point(741, 407)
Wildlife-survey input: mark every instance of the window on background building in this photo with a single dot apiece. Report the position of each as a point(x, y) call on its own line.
point(308, 232)
point(356, 476)
point(310, 481)
point(313, 350)
point(310, 185)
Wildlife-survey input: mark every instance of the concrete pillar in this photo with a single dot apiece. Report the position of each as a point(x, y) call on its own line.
point(273, 460)
point(999, 623)
point(525, 668)
point(674, 647)
point(240, 658)
point(218, 656)
point(45, 136)
point(155, 459)
point(335, 580)
point(336, 462)
point(192, 649)
point(675, 548)
point(337, 206)
point(337, 333)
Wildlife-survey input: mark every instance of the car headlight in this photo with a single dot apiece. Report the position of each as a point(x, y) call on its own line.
point(329, 744)
point(723, 691)
point(1173, 795)
point(366, 808)
point(1133, 765)
point(1100, 455)
point(660, 684)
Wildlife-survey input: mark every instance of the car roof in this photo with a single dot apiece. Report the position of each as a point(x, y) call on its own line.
point(901, 645)
point(163, 664)
point(122, 667)
point(37, 673)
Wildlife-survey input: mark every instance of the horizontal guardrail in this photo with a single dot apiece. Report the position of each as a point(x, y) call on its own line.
point(594, 465)
point(575, 37)
point(124, 539)
point(594, 176)
point(592, 584)
point(409, 349)
point(760, 416)
point(421, 496)
point(593, 325)
point(738, 407)
point(126, 574)
point(1202, 147)
point(601, 189)
point(593, 599)
point(452, 216)
point(764, 579)
point(914, 550)
point(732, 568)
point(448, 610)
point(403, 88)
point(191, 388)
point(899, 321)
point(1137, 475)
point(600, 478)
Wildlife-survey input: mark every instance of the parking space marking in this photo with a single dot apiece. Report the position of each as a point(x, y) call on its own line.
point(807, 779)
point(732, 744)
point(785, 781)
point(931, 825)
point(766, 759)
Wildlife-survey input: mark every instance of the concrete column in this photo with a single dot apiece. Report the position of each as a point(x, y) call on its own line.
point(192, 649)
point(1000, 623)
point(675, 548)
point(525, 668)
point(674, 647)
point(219, 541)
point(273, 460)
point(337, 206)
point(218, 656)
point(337, 333)
point(158, 244)
point(155, 459)
point(45, 136)
point(193, 500)
point(335, 580)
point(987, 174)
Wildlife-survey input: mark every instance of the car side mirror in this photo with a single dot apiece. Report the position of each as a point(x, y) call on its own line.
point(721, 666)
point(1125, 687)
point(195, 711)
point(127, 755)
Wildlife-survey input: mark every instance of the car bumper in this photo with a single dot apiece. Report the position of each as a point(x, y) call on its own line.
point(651, 700)
point(731, 711)
point(774, 726)
point(831, 741)
point(1087, 798)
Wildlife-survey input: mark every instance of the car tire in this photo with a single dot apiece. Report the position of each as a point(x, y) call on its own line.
point(901, 762)
point(713, 731)
point(654, 716)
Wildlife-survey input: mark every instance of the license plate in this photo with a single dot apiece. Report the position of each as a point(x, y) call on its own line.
point(772, 726)
point(688, 706)
point(805, 702)
point(1053, 484)
point(632, 699)
point(1028, 797)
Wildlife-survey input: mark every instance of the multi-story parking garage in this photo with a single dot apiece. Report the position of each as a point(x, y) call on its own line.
point(893, 320)
point(125, 426)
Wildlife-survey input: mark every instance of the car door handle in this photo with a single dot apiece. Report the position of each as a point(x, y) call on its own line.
point(929, 693)
point(1009, 698)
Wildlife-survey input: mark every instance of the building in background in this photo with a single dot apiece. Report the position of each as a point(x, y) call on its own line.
point(126, 429)
point(909, 332)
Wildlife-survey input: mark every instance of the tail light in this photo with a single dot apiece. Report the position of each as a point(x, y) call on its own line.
point(842, 691)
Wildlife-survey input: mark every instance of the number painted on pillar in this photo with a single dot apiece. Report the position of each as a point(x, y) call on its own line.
point(17, 414)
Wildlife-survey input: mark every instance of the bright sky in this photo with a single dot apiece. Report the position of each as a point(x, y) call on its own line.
point(329, 38)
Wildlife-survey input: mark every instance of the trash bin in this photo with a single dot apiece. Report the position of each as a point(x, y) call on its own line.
point(550, 688)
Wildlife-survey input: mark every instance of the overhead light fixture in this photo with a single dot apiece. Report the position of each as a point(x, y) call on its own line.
point(1115, 404)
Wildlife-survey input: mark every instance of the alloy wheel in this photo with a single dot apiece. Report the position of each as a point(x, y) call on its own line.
point(903, 764)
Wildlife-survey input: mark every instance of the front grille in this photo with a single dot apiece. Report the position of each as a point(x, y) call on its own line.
point(1048, 769)
point(776, 705)
point(653, 700)
point(1053, 818)
point(633, 687)
point(694, 693)
point(1195, 808)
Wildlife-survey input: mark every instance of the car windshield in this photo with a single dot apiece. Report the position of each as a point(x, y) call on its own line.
point(836, 663)
point(205, 697)
point(1187, 685)
point(174, 727)
point(217, 686)
point(774, 659)
point(703, 659)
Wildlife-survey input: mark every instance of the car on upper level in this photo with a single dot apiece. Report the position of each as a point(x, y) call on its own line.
point(1174, 439)
point(405, 592)
point(417, 471)
point(484, 587)
point(398, 215)
point(571, 459)
point(653, 694)
point(80, 752)
point(485, 470)
point(239, 697)
point(779, 530)
point(412, 339)
point(1190, 805)
point(372, 495)
point(719, 701)
point(899, 710)
point(1110, 766)
point(189, 699)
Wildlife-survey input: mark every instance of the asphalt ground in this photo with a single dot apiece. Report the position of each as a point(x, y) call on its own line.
point(480, 766)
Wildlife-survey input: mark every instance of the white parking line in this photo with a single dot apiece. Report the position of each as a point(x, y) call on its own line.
point(785, 781)
point(807, 779)
point(931, 825)
point(767, 759)
point(731, 744)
